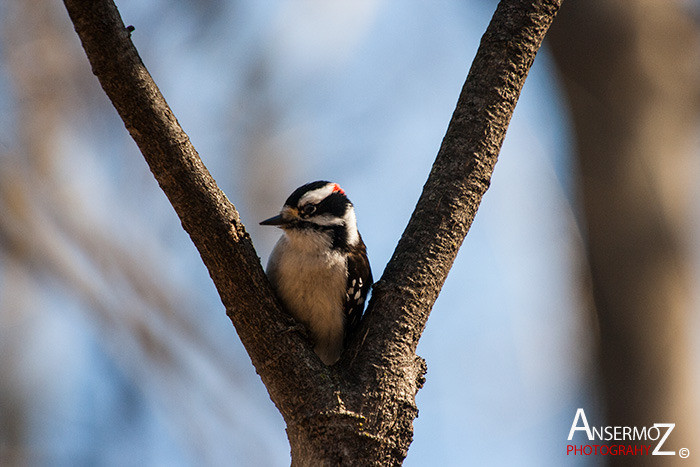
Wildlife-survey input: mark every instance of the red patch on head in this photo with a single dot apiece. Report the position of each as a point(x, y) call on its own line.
point(337, 188)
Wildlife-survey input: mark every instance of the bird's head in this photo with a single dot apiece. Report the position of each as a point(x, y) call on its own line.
point(319, 208)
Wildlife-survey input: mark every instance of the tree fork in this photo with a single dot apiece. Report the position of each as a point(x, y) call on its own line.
point(361, 410)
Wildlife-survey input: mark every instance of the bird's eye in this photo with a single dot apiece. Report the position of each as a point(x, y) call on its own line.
point(308, 209)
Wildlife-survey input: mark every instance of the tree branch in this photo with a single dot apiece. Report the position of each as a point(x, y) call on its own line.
point(206, 214)
point(403, 297)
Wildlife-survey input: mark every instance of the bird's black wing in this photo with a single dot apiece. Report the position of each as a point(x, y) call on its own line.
point(358, 285)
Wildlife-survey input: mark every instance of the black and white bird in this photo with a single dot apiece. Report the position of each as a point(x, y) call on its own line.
point(319, 266)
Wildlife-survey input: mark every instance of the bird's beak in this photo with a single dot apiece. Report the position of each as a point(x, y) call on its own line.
point(276, 220)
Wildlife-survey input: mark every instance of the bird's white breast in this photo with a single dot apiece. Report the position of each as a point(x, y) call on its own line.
point(310, 279)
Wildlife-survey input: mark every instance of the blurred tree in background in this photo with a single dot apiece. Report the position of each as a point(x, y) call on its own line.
point(113, 345)
point(631, 71)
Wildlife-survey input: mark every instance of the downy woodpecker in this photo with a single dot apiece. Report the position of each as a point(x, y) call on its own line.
point(319, 266)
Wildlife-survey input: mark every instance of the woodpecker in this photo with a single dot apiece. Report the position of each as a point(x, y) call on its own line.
point(319, 267)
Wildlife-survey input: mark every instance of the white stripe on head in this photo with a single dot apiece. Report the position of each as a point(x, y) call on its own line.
point(317, 195)
point(326, 219)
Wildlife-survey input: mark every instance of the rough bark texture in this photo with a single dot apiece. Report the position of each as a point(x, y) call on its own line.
point(631, 71)
point(362, 409)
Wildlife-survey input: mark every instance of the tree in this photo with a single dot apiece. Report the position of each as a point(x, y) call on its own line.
point(361, 409)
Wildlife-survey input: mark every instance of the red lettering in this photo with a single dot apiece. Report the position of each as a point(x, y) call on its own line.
point(605, 450)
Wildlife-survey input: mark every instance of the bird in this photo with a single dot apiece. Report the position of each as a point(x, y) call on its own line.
point(319, 267)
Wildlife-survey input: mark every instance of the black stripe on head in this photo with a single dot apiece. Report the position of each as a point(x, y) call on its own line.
point(335, 204)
